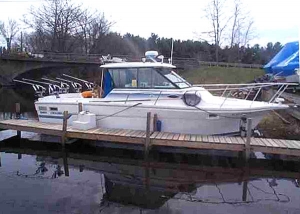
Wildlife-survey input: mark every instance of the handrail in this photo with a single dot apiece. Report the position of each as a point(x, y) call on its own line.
point(241, 84)
point(250, 87)
point(246, 86)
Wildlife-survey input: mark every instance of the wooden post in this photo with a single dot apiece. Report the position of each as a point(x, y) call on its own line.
point(18, 112)
point(245, 190)
point(155, 123)
point(248, 140)
point(64, 128)
point(65, 162)
point(80, 107)
point(147, 140)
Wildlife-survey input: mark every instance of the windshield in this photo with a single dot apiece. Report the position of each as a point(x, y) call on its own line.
point(175, 78)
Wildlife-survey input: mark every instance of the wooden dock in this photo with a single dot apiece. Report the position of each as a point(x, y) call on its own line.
point(238, 144)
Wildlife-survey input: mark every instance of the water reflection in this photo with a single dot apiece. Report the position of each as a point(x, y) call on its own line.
point(116, 180)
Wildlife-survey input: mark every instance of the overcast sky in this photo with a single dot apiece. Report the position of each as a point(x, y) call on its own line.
point(275, 20)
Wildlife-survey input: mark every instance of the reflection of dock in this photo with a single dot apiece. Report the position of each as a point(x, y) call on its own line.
point(149, 184)
point(159, 139)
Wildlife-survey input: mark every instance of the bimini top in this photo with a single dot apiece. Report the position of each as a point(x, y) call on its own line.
point(138, 65)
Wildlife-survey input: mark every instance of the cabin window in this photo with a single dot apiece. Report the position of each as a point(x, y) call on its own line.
point(124, 78)
point(145, 78)
point(158, 81)
point(53, 109)
point(139, 78)
point(149, 78)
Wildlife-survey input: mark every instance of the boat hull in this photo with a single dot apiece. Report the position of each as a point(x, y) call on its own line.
point(176, 120)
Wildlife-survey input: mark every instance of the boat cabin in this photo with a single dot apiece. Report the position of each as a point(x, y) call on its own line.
point(141, 75)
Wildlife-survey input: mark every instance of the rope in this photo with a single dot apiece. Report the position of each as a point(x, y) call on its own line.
point(119, 111)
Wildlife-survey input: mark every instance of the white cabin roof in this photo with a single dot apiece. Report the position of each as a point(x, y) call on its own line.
point(138, 65)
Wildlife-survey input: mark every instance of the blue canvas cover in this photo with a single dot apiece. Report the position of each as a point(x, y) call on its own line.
point(285, 62)
point(108, 86)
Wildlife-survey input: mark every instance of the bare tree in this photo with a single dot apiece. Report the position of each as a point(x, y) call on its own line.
point(215, 13)
point(241, 32)
point(56, 20)
point(93, 28)
point(61, 26)
point(9, 30)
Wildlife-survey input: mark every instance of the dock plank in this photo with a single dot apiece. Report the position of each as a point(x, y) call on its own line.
point(176, 136)
point(181, 137)
point(199, 138)
point(280, 144)
point(233, 140)
point(187, 137)
point(160, 134)
point(205, 138)
point(170, 136)
point(228, 140)
point(266, 145)
point(271, 142)
point(126, 131)
point(265, 142)
point(296, 143)
point(291, 143)
point(222, 139)
point(210, 139)
point(255, 141)
point(133, 133)
point(193, 137)
point(154, 134)
point(216, 139)
point(165, 135)
point(240, 140)
point(142, 134)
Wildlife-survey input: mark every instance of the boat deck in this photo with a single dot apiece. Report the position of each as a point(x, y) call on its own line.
point(271, 146)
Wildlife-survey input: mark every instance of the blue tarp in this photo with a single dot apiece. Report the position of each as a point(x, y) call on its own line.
point(285, 62)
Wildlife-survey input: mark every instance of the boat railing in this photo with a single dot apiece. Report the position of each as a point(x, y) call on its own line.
point(247, 91)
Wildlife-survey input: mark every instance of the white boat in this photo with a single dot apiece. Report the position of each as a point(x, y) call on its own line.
point(131, 89)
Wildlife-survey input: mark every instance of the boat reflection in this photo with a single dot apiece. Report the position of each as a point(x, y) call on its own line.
point(150, 184)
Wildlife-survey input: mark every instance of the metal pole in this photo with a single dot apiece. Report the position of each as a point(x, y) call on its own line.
point(21, 41)
point(172, 51)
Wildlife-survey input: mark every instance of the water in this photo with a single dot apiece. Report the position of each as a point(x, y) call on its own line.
point(39, 177)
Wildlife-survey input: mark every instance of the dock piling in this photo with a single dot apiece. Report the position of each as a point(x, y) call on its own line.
point(147, 140)
point(248, 139)
point(18, 113)
point(64, 128)
point(18, 110)
point(65, 162)
point(155, 123)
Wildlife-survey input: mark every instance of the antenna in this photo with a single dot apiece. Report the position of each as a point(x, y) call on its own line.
point(172, 51)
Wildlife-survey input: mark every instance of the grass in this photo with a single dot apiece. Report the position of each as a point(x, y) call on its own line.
point(224, 75)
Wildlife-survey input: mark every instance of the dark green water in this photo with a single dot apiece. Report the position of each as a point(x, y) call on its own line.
point(39, 177)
